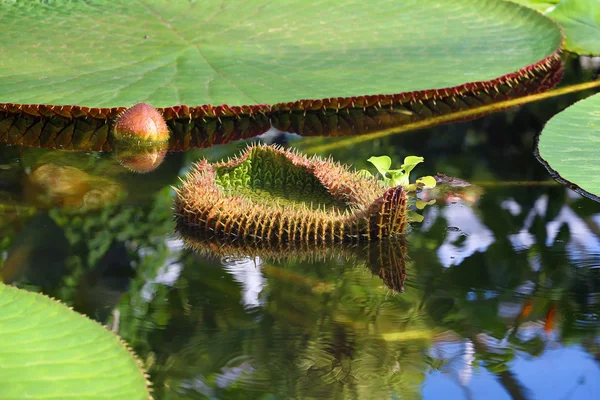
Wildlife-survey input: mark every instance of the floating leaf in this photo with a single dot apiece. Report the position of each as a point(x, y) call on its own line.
point(569, 146)
point(115, 53)
point(580, 20)
point(279, 196)
point(427, 181)
point(48, 351)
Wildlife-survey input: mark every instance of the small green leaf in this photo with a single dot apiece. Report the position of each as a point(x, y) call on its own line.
point(412, 187)
point(411, 162)
point(382, 163)
point(49, 351)
point(427, 181)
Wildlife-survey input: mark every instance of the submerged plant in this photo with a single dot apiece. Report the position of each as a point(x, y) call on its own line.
point(280, 196)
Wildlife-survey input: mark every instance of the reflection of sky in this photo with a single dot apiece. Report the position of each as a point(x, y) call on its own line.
point(565, 373)
point(524, 239)
point(471, 236)
point(562, 373)
point(246, 270)
point(468, 235)
point(584, 246)
point(168, 273)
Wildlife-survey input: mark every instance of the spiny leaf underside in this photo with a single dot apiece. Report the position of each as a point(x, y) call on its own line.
point(339, 206)
point(89, 129)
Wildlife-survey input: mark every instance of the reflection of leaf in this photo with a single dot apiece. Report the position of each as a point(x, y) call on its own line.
point(118, 53)
point(569, 146)
point(420, 204)
point(50, 351)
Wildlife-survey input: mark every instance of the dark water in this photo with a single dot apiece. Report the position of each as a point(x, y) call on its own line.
point(501, 298)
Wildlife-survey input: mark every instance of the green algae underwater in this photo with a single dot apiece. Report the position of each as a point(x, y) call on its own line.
point(479, 299)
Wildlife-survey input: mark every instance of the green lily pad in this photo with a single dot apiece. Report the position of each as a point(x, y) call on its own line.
point(569, 146)
point(48, 351)
point(580, 20)
point(115, 53)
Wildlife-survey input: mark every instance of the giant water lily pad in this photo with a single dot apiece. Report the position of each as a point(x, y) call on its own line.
point(569, 146)
point(580, 20)
point(48, 351)
point(114, 53)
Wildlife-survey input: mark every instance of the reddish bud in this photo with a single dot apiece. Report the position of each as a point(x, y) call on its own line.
point(141, 123)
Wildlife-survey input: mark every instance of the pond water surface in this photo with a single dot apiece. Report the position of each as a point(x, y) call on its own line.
point(501, 297)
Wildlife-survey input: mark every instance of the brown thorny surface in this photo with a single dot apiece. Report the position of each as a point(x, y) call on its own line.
point(375, 212)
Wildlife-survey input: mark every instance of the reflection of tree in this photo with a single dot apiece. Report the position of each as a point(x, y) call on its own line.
point(326, 329)
point(527, 265)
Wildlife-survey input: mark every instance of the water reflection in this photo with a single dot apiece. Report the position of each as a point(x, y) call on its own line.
point(140, 158)
point(385, 258)
point(51, 185)
point(233, 319)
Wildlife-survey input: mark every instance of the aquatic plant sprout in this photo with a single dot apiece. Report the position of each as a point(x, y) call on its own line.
point(401, 176)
